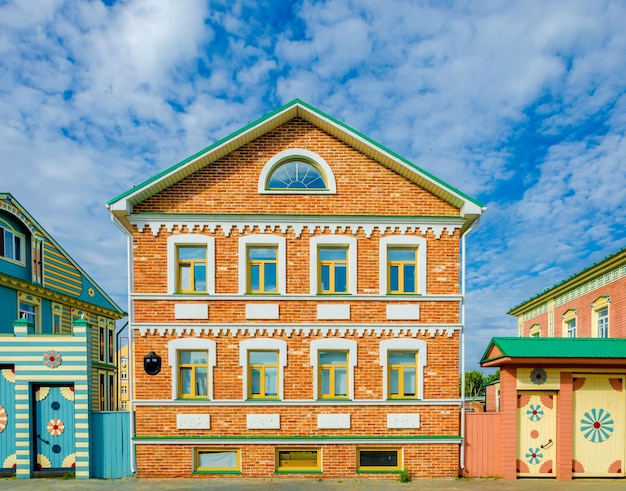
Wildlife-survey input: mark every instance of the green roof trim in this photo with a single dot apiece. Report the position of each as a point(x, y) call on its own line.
point(514, 347)
point(572, 277)
point(295, 102)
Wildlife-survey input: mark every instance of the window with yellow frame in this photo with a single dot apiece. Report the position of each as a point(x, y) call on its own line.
point(379, 459)
point(193, 371)
point(262, 269)
point(191, 267)
point(217, 461)
point(333, 375)
point(298, 460)
point(402, 270)
point(402, 373)
point(263, 372)
point(332, 274)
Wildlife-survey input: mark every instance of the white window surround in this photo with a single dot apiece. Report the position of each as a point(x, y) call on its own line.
point(190, 239)
point(294, 153)
point(333, 240)
point(569, 316)
point(404, 344)
point(597, 306)
point(263, 344)
point(267, 240)
point(22, 262)
point(334, 344)
point(191, 344)
point(402, 240)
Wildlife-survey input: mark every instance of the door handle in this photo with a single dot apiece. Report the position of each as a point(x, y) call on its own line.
point(547, 444)
point(48, 443)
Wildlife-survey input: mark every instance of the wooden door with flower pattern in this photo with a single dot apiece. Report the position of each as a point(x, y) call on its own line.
point(598, 425)
point(54, 437)
point(536, 437)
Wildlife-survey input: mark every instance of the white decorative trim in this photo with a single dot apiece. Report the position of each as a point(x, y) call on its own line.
point(333, 421)
point(403, 421)
point(331, 311)
point(268, 240)
point(191, 311)
point(193, 344)
point(404, 344)
point(190, 239)
point(419, 243)
point(403, 312)
point(386, 226)
point(263, 344)
point(289, 330)
point(294, 153)
point(193, 421)
point(334, 344)
point(263, 421)
point(333, 240)
point(262, 311)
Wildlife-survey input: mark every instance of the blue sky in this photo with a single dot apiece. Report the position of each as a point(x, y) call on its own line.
point(520, 104)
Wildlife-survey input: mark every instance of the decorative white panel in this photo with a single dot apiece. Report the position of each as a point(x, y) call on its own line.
point(333, 312)
point(403, 420)
point(263, 421)
point(402, 312)
point(193, 421)
point(262, 311)
point(191, 311)
point(333, 421)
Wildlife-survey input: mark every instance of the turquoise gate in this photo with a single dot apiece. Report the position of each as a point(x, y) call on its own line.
point(110, 445)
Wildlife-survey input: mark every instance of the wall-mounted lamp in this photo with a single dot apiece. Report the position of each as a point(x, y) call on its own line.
point(152, 363)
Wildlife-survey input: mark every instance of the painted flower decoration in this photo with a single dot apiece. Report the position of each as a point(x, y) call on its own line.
point(56, 427)
point(3, 419)
point(597, 425)
point(538, 376)
point(533, 456)
point(535, 413)
point(68, 393)
point(52, 359)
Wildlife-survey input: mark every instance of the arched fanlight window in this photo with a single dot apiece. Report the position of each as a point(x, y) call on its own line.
point(296, 174)
point(297, 171)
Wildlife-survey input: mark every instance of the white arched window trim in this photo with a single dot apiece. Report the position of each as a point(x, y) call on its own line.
point(404, 344)
point(190, 239)
point(334, 344)
point(191, 344)
point(290, 154)
point(333, 240)
point(263, 344)
point(408, 241)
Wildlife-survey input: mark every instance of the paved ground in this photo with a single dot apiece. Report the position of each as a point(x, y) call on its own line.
point(311, 484)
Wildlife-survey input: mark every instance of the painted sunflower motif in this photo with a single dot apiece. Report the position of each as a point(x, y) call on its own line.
point(10, 462)
point(69, 461)
point(56, 427)
point(52, 359)
point(538, 376)
point(41, 393)
point(533, 456)
point(535, 413)
point(597, 425)
point(9, 374)
point(68, 393)
point(3, 419)
point(43, 462)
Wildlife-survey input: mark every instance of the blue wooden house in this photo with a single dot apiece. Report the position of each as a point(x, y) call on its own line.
point(57, 359)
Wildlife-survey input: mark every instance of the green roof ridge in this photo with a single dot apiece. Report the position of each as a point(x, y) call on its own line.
point(272, 114)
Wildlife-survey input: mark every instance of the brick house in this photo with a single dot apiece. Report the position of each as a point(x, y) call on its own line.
point(296, 307)
point(560, 393)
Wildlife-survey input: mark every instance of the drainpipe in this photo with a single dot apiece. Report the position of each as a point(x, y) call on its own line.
point(462, 340)
point(131, 318)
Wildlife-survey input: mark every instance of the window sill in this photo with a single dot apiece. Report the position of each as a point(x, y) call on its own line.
point(296, 471)
point(216, 472)
point(333, 399)
point(380, 471)
point(263, 399)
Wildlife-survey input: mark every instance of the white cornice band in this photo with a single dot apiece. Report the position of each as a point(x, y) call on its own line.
point(336, 225)
point(235, 330)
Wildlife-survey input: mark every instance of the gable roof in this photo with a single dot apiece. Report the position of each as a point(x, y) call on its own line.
point(9, 204)
point(600, 267)
point(122, 205)
point(503, 350)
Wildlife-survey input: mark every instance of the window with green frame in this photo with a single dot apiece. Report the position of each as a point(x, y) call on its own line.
point(217, 460)
point(263, 372)
point(262, 269)
point(402, 373)
point(402, 269)
point(332, 269)
point(191, 267)
point(298, 460)
point(193, 371)
point(379, 459)
point(333, 374)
